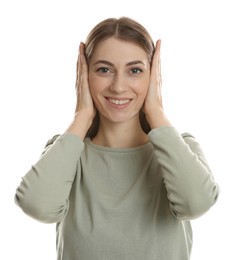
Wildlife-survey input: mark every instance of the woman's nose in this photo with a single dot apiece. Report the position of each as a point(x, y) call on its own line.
point(118, 84)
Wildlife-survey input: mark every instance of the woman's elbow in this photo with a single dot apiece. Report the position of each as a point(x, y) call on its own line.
point(196, 206)
point(40, 211)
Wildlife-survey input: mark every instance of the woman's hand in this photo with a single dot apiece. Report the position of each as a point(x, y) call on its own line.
point(84, 99)
point(153, 106)
point(85, 110)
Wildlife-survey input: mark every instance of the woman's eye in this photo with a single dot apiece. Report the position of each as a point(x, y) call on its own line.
point(103, 70)
point(136, 71)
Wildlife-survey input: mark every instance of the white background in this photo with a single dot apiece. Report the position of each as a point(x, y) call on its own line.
point(38, 51)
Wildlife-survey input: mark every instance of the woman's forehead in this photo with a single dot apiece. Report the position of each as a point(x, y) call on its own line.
point(113, 48)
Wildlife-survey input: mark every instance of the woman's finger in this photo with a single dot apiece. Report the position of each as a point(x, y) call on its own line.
point(156, 67)
point(84, 67)
point(79, 67)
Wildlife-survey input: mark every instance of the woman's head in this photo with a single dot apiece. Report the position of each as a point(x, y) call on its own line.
point(122, 29)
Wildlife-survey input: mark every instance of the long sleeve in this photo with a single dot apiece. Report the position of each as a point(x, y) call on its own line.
point(44, 191)
point(191, 188)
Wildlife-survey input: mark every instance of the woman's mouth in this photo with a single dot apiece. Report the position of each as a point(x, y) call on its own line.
point(119, 101)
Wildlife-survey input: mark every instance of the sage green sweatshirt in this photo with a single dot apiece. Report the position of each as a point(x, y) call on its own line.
point(120, 204)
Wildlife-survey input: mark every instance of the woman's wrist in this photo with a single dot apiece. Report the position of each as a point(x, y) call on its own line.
point(80, 124)
point(157, 119)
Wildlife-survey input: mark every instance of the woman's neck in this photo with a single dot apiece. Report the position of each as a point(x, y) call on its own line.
point(120, 135)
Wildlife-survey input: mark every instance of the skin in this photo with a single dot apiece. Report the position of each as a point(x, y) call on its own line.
point(118, 82)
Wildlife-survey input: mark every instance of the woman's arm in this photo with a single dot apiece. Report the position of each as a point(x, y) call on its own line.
point(44, 191)
point(189, 182)
point(190, 185)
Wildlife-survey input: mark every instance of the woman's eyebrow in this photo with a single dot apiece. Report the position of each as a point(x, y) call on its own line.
point(104, 62)
point(134, 62)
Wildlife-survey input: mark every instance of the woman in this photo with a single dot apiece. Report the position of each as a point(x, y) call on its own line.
point(121, 182)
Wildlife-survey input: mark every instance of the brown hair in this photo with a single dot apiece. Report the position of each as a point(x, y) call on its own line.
point(126, 29)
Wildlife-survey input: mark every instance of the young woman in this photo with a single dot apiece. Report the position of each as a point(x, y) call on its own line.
point(121, 182)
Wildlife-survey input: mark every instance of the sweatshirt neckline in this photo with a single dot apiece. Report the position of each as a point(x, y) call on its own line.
point(145, 146)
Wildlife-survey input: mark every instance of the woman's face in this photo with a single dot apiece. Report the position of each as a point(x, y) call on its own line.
point(119, 74)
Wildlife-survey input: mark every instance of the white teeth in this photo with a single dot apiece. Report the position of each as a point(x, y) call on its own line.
point(119, 102)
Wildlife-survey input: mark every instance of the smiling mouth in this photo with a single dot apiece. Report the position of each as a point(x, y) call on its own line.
point(119, 101)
